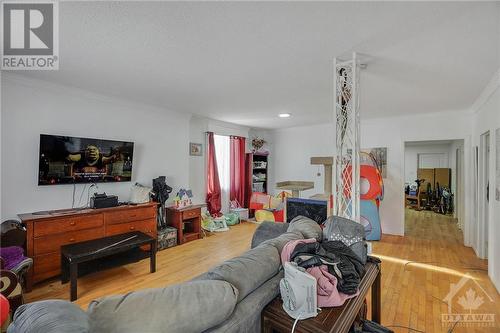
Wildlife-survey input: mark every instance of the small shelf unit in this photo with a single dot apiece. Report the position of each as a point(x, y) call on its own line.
point(260, 165)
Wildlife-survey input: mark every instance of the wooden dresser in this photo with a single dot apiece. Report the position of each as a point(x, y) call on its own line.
point(48, 231)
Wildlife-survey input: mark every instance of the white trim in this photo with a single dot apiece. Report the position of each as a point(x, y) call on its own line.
point(484, 211)
point(466, 180)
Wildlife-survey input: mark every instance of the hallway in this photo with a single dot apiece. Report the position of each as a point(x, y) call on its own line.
point(418, 270)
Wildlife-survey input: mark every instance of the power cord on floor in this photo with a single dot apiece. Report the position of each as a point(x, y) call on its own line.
point(405, 327)
point(296, 321)
point(453, 327)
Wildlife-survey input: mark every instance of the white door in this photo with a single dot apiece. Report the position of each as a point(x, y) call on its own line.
point(458, 187)
point(432, 160)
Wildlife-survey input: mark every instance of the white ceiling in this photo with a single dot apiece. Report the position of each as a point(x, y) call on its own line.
point(245, 62)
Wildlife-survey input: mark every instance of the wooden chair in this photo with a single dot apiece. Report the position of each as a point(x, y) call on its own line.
point(10, 287)
point(414, 201)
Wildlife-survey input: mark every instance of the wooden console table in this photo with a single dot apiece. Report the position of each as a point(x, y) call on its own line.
point(187, 221)
point(48, 231)
point(329, 320)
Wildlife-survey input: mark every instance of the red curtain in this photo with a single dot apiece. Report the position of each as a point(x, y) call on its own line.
point(237, 164)
point(213, 198)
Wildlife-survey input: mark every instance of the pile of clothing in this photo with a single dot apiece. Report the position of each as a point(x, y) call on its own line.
point(337, 262)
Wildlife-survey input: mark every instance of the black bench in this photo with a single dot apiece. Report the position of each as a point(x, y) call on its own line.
point(74, 254)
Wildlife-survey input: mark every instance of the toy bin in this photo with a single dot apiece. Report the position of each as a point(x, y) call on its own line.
point(167, 237)
point(242, 212)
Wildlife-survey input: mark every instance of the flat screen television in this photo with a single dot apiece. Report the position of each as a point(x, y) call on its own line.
point(69, 160)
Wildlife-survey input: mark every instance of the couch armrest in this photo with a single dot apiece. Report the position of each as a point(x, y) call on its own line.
point(49, 316)
point(268, 230)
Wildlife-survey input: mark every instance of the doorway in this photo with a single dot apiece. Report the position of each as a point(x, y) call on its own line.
point(483, 195)
point(434, 182)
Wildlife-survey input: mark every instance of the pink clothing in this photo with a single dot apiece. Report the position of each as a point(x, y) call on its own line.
point(328, 295)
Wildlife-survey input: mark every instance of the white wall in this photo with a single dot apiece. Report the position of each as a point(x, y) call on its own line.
point(198, 126)
point(487, 118)
point(293, 148)
point(392, 133)
point(31, 107)
point(458, 196)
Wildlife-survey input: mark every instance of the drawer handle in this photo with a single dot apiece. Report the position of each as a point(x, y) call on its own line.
point(71, 240)
point(72, 223)
point(132, 228)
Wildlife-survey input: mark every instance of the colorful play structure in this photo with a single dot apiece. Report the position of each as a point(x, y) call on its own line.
point(371, 185)
point(371, 189)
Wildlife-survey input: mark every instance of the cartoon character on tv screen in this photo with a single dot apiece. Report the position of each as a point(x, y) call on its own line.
point(91, 160)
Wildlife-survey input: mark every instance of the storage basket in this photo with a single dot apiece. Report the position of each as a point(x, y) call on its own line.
point(167, 237)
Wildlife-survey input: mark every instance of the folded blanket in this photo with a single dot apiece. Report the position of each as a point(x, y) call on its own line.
point(12, 256)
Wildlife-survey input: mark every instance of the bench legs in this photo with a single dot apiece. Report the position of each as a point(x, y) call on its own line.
point(152, 257)
point(73, 277)
point(376, 299)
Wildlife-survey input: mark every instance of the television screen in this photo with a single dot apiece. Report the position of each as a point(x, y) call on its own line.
point(68, 160)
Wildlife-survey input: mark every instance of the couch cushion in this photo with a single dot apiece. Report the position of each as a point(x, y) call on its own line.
point(188, 307)
point(280, 241)
point(248, 271)
point(309, 228)
point(268, 230)
point(49, 316)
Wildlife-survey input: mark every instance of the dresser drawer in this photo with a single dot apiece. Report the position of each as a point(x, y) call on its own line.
point(129, 215)
point(189, 214)
point(53, 243)
point(145, 226)
point(61, 225)
point(46, 266)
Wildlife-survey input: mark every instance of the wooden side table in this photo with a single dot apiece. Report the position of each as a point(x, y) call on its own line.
point(329, 320)
point(187, 221)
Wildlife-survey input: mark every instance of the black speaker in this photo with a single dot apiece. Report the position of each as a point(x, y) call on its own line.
point(103, 201)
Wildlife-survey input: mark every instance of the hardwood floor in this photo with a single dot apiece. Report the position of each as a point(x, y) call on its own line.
point(417, 271)
point(174, 265)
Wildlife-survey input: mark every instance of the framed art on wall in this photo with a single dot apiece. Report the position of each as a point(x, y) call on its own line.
point(195, 149)
point(380, 156)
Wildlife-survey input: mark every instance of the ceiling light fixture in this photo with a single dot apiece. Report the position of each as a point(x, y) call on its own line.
point(284, 115)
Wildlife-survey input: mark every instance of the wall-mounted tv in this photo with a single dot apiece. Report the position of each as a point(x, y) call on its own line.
point(69, 160)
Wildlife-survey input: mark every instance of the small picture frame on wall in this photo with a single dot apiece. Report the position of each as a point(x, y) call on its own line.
point(195, 149)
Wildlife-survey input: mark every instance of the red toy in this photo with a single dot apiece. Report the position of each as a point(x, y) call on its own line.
point(4, 309)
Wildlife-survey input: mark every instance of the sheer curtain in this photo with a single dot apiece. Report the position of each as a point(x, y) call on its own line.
point(213, 199)
point(223, 165)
